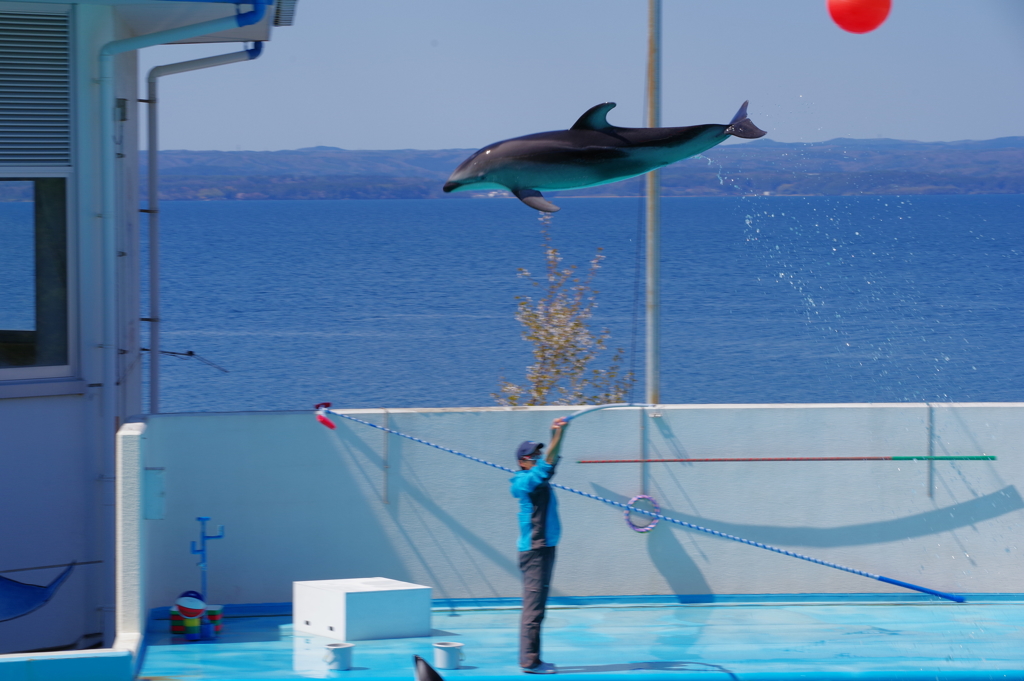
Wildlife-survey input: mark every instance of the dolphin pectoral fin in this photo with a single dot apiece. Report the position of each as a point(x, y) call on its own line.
point(534, 199)
point(596, 118)
point(741, 126)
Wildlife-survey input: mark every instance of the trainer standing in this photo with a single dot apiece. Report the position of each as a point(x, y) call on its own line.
point(539, 531)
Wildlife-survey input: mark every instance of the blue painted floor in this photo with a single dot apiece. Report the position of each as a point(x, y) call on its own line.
point(817, 641)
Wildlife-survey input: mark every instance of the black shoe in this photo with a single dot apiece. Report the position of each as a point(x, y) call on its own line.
point(541, 668)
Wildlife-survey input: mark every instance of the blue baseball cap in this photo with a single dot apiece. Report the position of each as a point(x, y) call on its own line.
point(529, 450)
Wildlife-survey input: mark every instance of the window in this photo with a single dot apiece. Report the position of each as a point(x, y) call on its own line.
point(35, 160)
point(33, 273)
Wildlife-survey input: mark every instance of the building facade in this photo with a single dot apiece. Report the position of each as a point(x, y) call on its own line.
point(72, 324)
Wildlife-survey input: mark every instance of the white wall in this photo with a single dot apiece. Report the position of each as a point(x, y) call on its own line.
point(300, 502)
point(47, 495)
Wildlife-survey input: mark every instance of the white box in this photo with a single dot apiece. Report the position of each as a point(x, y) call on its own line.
point(361, 609)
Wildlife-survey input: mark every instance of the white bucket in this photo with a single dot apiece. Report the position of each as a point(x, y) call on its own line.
point(448, 655)
point(339, 656)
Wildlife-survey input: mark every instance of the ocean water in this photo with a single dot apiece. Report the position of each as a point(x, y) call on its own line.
point(406, 303)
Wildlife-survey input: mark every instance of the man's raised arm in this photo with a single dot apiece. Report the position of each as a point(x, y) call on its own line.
point(557, 430)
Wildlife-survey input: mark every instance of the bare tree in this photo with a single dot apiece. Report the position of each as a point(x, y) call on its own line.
point(564, 346)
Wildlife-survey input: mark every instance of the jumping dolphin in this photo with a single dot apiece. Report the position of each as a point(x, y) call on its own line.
point(17, 598)
point(590, 153)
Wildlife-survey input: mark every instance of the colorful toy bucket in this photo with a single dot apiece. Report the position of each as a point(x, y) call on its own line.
point(192, 630)
point(215, 613)
point(177, 621)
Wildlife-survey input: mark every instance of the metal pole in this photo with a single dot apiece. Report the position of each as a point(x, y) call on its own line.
point(652, 374)
point(387, 464)
point(152, 147)
point(643, 450)
point(931, 450)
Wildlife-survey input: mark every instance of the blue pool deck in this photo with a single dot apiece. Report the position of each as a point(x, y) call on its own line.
point(819, 638)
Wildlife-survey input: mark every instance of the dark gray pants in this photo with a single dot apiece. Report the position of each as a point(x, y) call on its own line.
point(537, 566)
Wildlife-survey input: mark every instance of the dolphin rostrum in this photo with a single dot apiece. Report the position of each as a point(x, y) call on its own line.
point(590, 153)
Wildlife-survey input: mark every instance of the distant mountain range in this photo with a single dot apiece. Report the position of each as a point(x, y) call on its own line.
point(839, 167)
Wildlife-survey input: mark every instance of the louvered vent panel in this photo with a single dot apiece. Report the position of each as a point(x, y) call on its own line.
point(284, 15)
point(35, 96)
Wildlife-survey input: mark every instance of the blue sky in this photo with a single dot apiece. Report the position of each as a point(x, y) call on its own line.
point(396, 74)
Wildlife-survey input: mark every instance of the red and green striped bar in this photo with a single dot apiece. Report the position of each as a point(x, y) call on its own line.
point(801, 458)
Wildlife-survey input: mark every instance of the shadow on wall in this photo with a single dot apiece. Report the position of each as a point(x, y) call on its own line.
point(465, 536)
point(676, 448)
point(304, 528)
point(992, 505)
point(672, 561)
point(406, 488)
point(365, 538)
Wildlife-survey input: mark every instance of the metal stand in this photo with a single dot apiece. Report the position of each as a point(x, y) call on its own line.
point(201, 551)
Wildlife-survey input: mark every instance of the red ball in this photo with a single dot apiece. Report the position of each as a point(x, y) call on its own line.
point(859, 16)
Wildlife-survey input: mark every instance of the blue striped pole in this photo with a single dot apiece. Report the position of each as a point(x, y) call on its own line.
point(683, 523)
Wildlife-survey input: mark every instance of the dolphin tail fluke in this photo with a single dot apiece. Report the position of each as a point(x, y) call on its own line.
point(741, 114)
point(424, 672)
point(741, 126)
point(534, 199)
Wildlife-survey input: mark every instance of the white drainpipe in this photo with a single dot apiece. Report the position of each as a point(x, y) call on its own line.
point(153, 147)
point(107, 150)
point(108, 110)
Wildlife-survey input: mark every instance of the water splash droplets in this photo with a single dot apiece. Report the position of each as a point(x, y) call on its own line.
point(882, 318)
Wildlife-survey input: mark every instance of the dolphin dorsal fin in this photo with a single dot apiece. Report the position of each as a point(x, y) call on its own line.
point(596, 118)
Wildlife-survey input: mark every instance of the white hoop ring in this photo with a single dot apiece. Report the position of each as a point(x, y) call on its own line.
point(649, 526)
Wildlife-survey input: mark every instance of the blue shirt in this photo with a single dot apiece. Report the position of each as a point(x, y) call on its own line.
point(538, 508)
